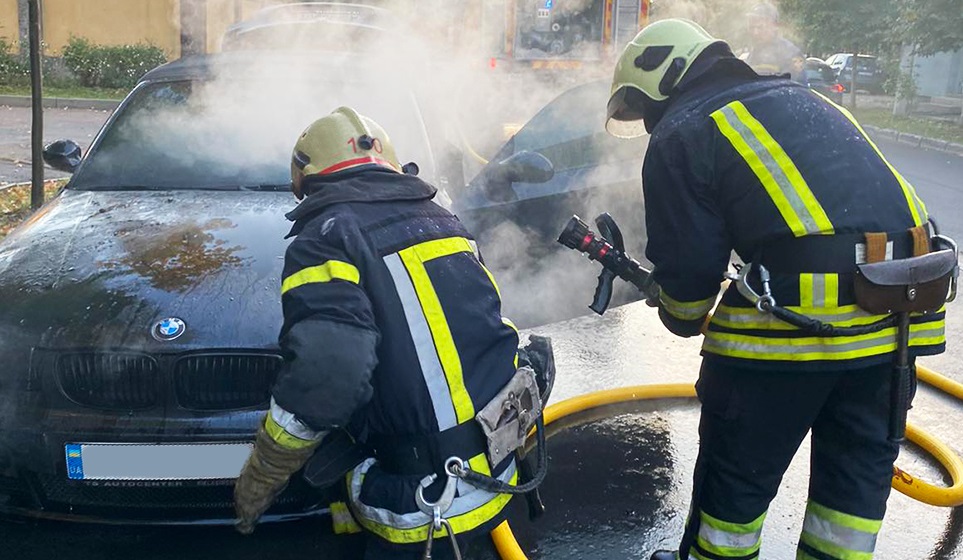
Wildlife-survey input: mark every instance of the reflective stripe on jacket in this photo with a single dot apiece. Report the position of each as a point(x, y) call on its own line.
point(766, 160)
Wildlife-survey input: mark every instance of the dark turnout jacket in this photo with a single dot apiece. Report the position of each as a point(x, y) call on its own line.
point(769, 169)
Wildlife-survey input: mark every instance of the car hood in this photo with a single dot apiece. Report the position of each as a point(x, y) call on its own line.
point(100, 269)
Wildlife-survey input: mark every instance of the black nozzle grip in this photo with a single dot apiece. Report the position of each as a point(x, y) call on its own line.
point(603, 292)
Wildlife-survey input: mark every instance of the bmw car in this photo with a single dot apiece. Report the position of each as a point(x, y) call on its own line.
point(141, 307)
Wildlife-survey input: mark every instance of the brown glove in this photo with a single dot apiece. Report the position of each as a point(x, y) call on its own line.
point(265, 475)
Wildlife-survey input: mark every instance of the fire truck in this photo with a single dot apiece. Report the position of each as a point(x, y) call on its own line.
point(559, 34)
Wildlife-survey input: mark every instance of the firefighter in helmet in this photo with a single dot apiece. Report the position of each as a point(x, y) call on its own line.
point(769, 51)
point(736, 162)
point(392, 333)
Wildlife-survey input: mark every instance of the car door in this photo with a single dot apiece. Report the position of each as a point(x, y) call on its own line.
point(517, 222)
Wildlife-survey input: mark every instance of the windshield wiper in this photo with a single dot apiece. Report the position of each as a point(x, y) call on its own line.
point(185, 187)
point(266, 187)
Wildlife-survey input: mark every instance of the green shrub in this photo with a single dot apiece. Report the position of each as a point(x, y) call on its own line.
point(13, 70)
point(110, 66)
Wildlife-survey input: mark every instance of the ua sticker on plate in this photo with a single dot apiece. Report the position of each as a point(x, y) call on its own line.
point(75, 462)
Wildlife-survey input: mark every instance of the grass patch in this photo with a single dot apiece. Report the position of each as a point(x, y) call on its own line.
point(883, 118)
point(15, 203)
point(74, 92)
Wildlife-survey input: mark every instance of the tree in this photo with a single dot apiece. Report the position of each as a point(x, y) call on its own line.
point(932, 25)
point(833, 25)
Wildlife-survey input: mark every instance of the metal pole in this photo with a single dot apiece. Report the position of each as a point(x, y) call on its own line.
point(36, 91)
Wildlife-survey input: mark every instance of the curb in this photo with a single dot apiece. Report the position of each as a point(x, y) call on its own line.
point(916, 140)
point(60, 102)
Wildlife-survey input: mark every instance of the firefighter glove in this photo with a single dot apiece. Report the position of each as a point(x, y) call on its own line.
point(264, 476)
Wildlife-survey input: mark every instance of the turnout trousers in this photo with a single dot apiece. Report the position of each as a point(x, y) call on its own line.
point(752, 424)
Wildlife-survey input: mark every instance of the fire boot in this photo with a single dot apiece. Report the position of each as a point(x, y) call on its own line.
point(664, 555)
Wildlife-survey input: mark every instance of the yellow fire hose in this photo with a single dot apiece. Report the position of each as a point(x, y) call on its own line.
point(509, 549)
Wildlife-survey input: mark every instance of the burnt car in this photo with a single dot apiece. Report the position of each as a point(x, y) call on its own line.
point(141, 306)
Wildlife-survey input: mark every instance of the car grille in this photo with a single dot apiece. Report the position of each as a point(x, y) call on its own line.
point(225, 381)
point(109, 379)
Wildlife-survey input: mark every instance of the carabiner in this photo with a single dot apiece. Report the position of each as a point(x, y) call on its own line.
point(763, 303)
point(437, 508)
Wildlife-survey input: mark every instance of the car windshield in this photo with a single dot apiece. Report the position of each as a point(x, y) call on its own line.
point(819, 73)
point(232, 134)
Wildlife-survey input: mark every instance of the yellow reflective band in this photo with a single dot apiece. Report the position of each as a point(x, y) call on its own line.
point(342, 521)
point(438, 248)
point(459, 523)
point(283, 438)
point(740, 528)
point(326, 272)
point(831, 290)
point(479, 463)
point(686, 310)
point(819, 290)
point(833, 550)
point(413, 259)
point(816, 348)
point(747, 318)
point(778, 174)
point(806, 290)
point(916, 206)
point(857, 523)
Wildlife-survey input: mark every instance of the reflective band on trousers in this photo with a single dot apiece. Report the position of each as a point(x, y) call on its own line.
point(466, 513)
point(287, 430)
point(816, 348)
point(916, 207)
point(839, 535)
point(726, 539)
point(325, 272)
point(686, 310)
point(775, 170)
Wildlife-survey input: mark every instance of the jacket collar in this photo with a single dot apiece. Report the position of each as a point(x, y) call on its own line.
point(366, 185)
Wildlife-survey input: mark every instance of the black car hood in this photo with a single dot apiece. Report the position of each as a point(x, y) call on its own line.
point(100, 269)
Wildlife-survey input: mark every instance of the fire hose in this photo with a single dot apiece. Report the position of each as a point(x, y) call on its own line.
point(619, 264)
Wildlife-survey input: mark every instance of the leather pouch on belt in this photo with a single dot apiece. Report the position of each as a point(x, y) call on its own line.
point(916, 284)
point(507, 418)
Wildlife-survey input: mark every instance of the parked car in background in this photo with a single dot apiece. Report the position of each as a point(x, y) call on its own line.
point(869, 74)
point(819, 77)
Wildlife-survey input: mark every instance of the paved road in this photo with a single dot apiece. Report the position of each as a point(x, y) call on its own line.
point(79, 125)
point(619, 487)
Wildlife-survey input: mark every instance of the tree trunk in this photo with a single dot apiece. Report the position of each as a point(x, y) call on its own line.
point(903, 101)
point(852, 81)
point(23, 26)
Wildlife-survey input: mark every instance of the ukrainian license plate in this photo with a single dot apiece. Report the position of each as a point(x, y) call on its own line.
point(161, 461)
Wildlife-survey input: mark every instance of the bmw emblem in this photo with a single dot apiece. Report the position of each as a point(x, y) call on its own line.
point(168, 329)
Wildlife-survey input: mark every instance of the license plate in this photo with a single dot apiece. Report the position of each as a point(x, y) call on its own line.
point(161, 461)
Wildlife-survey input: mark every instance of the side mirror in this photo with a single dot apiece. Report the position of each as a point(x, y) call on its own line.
point(523, 167)
point(63, 155)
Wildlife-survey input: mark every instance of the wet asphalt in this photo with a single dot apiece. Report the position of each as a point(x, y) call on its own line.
point(618, 486)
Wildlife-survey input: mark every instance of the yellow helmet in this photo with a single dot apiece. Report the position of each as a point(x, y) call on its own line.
point(650, 67)
point(338, 142)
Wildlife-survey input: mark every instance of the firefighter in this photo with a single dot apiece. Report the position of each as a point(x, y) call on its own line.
point(769, 51)
point(392, 332)
point(763, 166)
